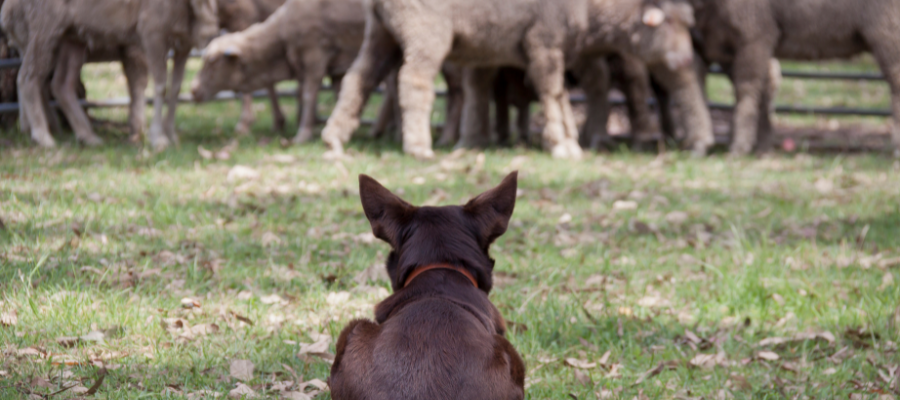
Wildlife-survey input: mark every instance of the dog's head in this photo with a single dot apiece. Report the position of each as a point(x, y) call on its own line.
point(456, 235)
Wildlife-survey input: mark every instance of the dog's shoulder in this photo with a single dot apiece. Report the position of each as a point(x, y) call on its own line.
point(353, 344)
point(506, 357)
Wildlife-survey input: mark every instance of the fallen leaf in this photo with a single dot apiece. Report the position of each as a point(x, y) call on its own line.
point(240, 172)
point(376, 273)
point(778, 299)
point(614, 372)
point(241, 318)
point(829, 371)
point(776, 341)
point(295, 396)
point(270, 239)
point(651, 373)
point(624, 205)
point(203, 394)
point(583, 378)
point(767, 355)
point(676, 217)
point(272, 299)
point(824, 186)
point(79, 390)
point(9, 318)
point(790, 366)
point(574, 362)
point(316, 383)
point(204, 329)
point(40, 382)
point(67, 341)
point(708, 361)
point(589, 345)
point(93, 336)
point(241, 370)
point(242, 391)
point(886, 281)
point(337, 298)
point(188, 302)
point(206, 154)
point(604, 359)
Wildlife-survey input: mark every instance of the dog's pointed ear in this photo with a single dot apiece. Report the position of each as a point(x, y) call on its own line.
point(386, 212)
point(493, 209)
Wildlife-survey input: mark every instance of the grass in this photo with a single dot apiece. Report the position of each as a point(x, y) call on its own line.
point(677, 268)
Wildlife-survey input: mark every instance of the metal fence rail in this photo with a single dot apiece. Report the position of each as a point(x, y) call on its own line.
point(6, 108)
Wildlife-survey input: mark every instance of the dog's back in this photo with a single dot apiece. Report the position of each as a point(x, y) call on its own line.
point(438, 336)
point(432, 349)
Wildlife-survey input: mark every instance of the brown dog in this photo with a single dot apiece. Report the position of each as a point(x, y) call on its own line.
point(438, 336)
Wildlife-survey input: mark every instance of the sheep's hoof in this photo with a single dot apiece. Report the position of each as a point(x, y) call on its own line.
point(569, 150)
point(159, 142)
point(303, 136)
point(242, 129)
point(335, 152)
point(740, 150)
point(421, 153)
point(91, 140)
point(44, 140)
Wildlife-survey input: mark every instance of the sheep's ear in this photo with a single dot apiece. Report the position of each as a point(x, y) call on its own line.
point(653, 17)
point(387, 213)
point(680, 11)
point(492, 210)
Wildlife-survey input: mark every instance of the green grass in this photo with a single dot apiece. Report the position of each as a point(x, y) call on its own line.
point(731, 252)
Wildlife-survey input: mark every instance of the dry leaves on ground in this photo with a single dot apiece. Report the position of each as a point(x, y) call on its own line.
point(319, 348)
point(709, 361)
point(9, 318)
point(777, 341)
point(241, 370)
point(582, 364)
point(767, 355)
point(242, 391)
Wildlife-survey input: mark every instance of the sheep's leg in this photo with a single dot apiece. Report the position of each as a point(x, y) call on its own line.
point(685, 95)
point(594, 76)
point(454, 107)
point(767, 106)
point(179, 62)
point(750, 69)
point(135, 66)
point(314, 70)
point(546, 69)
point(278, 119)
point(156, 62)
point(248, 117)
point(416, 89)
point(36, 65)
point(388, 108)
point(523, 121)
point(476, 121)
point(637, 91)
point(885, 51)
point(53, 120)
point(64, 83)
point(500, 90)
point(377, 57)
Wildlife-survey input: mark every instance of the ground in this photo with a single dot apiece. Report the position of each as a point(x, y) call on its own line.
point(229, 265)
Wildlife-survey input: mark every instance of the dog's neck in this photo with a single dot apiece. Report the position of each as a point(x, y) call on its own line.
point(420, 269)
point(456, 284)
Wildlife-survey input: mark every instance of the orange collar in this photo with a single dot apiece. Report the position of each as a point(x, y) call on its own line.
point(419, 270)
